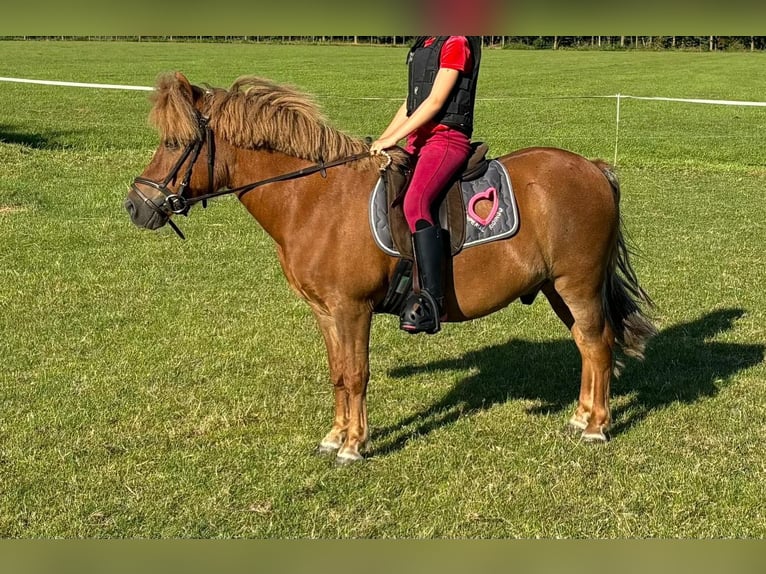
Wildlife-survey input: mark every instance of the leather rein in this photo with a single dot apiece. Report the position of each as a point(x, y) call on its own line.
point(179, 203)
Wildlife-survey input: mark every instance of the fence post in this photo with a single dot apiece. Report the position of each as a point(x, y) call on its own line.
point(617, 131)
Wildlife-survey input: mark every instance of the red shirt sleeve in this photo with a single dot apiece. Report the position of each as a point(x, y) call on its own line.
point(456, 54)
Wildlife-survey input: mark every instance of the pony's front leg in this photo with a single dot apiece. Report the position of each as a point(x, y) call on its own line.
point(353, 329)
point(347, 338)
point(334, 439)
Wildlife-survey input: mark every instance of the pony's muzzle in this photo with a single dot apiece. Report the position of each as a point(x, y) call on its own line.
point(144, 212)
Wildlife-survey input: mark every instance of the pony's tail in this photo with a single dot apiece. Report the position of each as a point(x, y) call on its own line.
point(622, 296)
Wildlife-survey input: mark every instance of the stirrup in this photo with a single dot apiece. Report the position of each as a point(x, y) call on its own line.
point(420, 314)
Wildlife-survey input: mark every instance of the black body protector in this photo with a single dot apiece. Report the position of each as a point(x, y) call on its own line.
point(423, 62)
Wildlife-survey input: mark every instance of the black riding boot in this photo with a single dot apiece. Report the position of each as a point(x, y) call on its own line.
point(422, 310)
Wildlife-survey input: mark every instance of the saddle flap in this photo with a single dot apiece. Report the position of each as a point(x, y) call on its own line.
point(396, 183)
point(450, 214)
point(452, 218)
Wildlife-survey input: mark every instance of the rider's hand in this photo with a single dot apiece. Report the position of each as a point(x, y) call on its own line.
point(381, 144)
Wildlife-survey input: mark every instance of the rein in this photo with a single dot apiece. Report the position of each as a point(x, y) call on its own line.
point(179, 203)
point(242, 190)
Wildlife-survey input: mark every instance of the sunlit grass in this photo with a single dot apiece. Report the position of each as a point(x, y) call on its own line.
point(159, 388)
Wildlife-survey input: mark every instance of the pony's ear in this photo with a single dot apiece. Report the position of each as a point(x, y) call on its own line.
point(185, 86)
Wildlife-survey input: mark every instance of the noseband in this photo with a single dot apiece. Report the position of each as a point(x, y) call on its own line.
point(179, 203)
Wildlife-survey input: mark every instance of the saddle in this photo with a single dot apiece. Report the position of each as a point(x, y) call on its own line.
point(449, 207)
point(477, 207)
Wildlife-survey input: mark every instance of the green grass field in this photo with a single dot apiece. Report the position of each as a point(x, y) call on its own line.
point(156, 388)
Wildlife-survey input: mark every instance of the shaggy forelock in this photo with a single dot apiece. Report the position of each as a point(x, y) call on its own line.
point(173, 113)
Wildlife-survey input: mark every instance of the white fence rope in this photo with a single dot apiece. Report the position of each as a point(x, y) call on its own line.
point(76, 84)
point(692, 100)
point(617, 97)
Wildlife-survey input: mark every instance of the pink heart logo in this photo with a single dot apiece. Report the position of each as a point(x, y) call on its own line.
point(491, 195)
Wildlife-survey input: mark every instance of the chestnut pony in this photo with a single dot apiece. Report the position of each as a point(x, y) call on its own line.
point(308, 185)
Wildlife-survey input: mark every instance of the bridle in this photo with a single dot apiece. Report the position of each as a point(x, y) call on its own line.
point(179, 203)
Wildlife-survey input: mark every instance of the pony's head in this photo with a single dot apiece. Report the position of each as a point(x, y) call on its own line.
point(171, 178)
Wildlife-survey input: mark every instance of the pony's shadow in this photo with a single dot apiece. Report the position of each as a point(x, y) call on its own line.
point(682, 365)
point(51, 140)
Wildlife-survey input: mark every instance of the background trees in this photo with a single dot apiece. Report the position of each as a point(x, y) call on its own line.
point(700, 43)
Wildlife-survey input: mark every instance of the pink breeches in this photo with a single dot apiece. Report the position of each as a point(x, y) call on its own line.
point(437, 161)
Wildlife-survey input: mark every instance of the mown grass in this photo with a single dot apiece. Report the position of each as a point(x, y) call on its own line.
point(158, 388)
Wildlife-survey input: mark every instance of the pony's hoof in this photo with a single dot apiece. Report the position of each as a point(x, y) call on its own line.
point(348, 458)
point(330, 444)
point(326, 449)
point(594, 437)
point(575, 426)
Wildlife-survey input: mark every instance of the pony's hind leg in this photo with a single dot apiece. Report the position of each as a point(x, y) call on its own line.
point(592, 414)
point(579, 419)
point(595, 340)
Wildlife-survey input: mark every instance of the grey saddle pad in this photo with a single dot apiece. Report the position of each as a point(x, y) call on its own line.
point(489, 204)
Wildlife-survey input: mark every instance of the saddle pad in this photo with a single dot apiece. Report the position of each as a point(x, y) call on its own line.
point(490, 210)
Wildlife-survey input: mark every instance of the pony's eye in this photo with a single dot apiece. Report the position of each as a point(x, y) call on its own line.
point(171, 145)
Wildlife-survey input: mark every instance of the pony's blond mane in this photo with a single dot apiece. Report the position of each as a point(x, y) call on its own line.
point(254, 113)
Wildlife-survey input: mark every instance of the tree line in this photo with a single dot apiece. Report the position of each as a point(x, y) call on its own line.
point(699, 43)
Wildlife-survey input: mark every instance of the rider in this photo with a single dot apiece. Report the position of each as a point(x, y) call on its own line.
point(437, 120)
